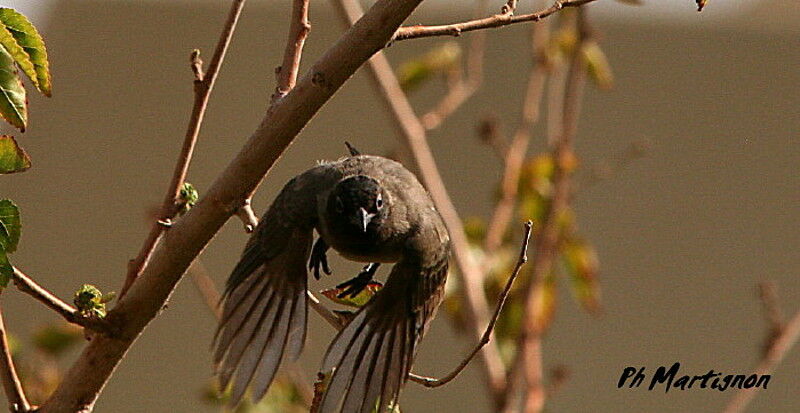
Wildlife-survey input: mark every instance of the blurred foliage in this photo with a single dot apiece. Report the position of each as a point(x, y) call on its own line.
point(440, 60)
point(38, 363)
point(285, 395)
point(91, 302)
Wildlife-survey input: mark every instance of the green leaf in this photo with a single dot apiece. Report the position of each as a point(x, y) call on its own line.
point(27, 48)
point(6, 270)
point(10, 226)
point(12, 157)
point(358, 301)
point(90, 301)
point(13, 101)
point(187, 198)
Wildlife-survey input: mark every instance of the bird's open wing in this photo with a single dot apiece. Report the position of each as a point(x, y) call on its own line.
point(371, 357)
point(265, 308)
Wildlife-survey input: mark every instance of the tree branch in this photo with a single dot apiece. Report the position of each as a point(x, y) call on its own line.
point(415, 140)
point(779, 347)
point(521, 260)
point(298, 32)
point(68, 312)
point(498, 20)
point(17, 402)
point(203, 84)
point(187, 238)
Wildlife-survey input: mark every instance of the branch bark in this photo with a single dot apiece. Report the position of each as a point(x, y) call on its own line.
point(185, 240)
point(298, 32)
point(17, 402)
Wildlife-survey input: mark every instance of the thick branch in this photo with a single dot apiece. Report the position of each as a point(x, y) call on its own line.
point(17, 402)
point(203, 84)
point(414, 137)
point(498, 20)
point(190, 235)
point(298, 32)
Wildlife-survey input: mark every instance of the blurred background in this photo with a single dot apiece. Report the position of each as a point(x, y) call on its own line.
point(683, 233)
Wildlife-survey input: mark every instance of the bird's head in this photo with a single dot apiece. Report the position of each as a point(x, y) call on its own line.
point(358, 203)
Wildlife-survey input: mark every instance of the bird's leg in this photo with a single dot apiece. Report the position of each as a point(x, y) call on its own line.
point(319, 258)
point(358, 283)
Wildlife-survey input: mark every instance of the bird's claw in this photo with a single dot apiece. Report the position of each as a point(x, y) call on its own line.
point(319, 259)
point(355, 285)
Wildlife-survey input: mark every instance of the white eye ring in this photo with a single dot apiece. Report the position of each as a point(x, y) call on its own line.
point(379, 201)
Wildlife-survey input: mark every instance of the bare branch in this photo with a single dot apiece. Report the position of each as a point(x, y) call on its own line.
point(415, 140)
point(298, 32)
point(179, 246)
point(521, 260)
point(203, 84)
point(498, 20)
point(780, 347)
point(17, 402)
point(68, 312)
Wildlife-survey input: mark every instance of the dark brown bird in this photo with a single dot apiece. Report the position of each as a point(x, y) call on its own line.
point(369, 209)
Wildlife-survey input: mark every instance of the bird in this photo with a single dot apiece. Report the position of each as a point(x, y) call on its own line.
point(369, 209)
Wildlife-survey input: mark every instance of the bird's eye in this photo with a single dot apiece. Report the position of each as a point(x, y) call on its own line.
point(379, 202)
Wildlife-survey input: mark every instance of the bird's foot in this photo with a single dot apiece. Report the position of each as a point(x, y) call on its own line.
point(358, 283)
point(319, 259)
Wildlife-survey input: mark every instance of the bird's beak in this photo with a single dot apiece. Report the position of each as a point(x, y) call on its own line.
point(366, 217)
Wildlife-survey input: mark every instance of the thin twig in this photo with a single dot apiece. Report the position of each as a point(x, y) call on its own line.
point(780, 347)
point(68, 312)
point(203, 85)
point(515, 155)
point(498, 20)
point(247, 216)
point(464, 88)
point(298, 32)
point(17, 402)
point(415, 140)
point(521, 260)
point(529, 355)
point(768, 293)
